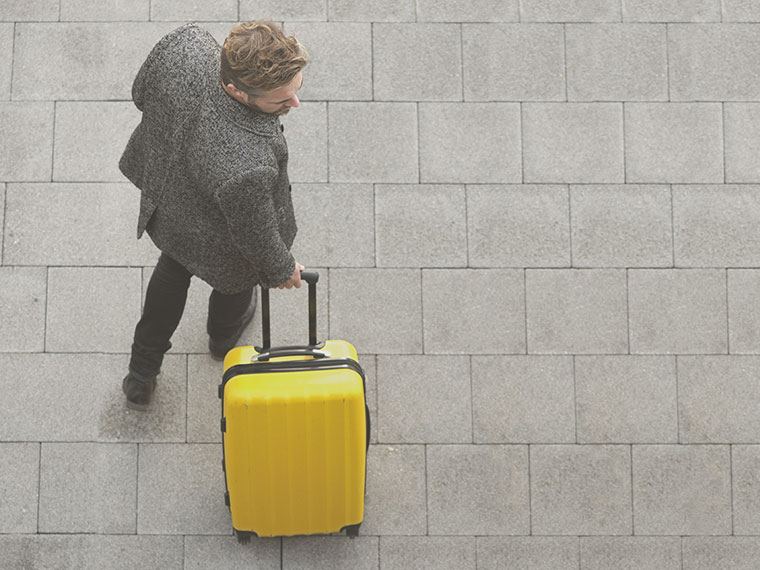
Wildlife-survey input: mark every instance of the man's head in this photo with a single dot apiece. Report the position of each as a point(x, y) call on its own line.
point(261, 67)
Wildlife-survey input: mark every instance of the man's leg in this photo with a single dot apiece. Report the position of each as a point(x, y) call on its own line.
point(228, 317)
point(164, 305)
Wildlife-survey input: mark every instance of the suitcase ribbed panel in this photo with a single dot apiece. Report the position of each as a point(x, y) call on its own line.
point(295, 451)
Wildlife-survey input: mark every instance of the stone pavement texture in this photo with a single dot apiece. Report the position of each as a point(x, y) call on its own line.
point(539, 222)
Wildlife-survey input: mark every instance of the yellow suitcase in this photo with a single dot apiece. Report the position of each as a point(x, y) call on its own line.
point(295, 432)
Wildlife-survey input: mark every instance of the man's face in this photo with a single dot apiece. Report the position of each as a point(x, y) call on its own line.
point(278, 101)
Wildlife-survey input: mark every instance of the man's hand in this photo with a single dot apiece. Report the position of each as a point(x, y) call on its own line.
point(295, 279)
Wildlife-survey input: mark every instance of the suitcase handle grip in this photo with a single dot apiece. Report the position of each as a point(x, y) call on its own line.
point(311, 277)
point(290, 351)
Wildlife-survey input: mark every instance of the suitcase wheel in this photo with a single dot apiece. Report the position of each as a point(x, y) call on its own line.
point(352, 531)
point(243, 537)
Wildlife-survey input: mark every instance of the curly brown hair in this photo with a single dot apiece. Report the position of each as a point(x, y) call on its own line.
point(257, 56)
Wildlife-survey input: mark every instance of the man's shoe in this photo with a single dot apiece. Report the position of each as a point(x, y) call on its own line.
point(138, 392)
point(220, 347)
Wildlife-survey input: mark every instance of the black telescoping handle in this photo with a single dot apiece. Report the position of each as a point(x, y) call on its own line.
point(311, 277)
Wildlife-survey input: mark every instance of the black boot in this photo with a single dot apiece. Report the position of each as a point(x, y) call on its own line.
point(138, 392)
point(219, 347)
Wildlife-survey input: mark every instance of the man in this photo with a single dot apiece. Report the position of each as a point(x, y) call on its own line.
point(210, 159)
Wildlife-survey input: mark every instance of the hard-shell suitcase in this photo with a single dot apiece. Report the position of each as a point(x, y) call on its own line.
point(295, 432)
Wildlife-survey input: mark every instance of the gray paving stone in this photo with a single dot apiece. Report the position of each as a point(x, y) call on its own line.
point(513, 62)
point(306, 133)
point(396, 491)
point(88, 488)
point(166, 419)
point(378, 310)
point(741, 11)
point(518, 226)
point(424, 399)
point(19, 487)
point(580, 489)
point(718, 398)
point(224, 553)
point(284, 10)
point(29, 10)
point(551, 152)
point(90, 552)
point(187, 481)
point(512, 398)
point(745, 480)
point(617, 62)
point(196, 10)
point(674, 142)
point(527, 553)
point(45, 225)
point(672, 11)
point(713, 62)
point(91, 406)
point(577, 311)
point(6, 60)
point(621, 226)
point(478, 490)
point(716, 226)
point(23, 294)
point(470, 142)
point(681, 311)
point(60, 71)
point(369, 11)
point(725, 552)
point(743, 311)
point(203, 406)
point(681, 489)
point(373, 142)
point(219, 30)
point(2, 218)
point(420, 226)
point(741, 141)
point(630, 553)
point(340, 60)
point(26, 146)
point(104, 11)
point(570, 11)
point(89, 140)
point(330, 552)
point(336, 226)
point(464, 11)
point(626, 399)
point(473, 311)
point(417, 62)
point(82, 300)
point(428, 553)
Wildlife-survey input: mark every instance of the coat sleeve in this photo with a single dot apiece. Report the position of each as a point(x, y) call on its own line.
point(248, 207)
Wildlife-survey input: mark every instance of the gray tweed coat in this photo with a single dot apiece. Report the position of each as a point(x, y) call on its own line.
point(212, 172)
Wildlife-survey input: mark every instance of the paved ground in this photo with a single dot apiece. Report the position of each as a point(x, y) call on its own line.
point(539, 223)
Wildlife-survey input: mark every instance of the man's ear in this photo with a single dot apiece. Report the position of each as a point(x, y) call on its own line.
point(235, 93)
point(231, 89)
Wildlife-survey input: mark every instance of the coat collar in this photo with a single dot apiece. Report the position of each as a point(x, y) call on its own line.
point(245, 117)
